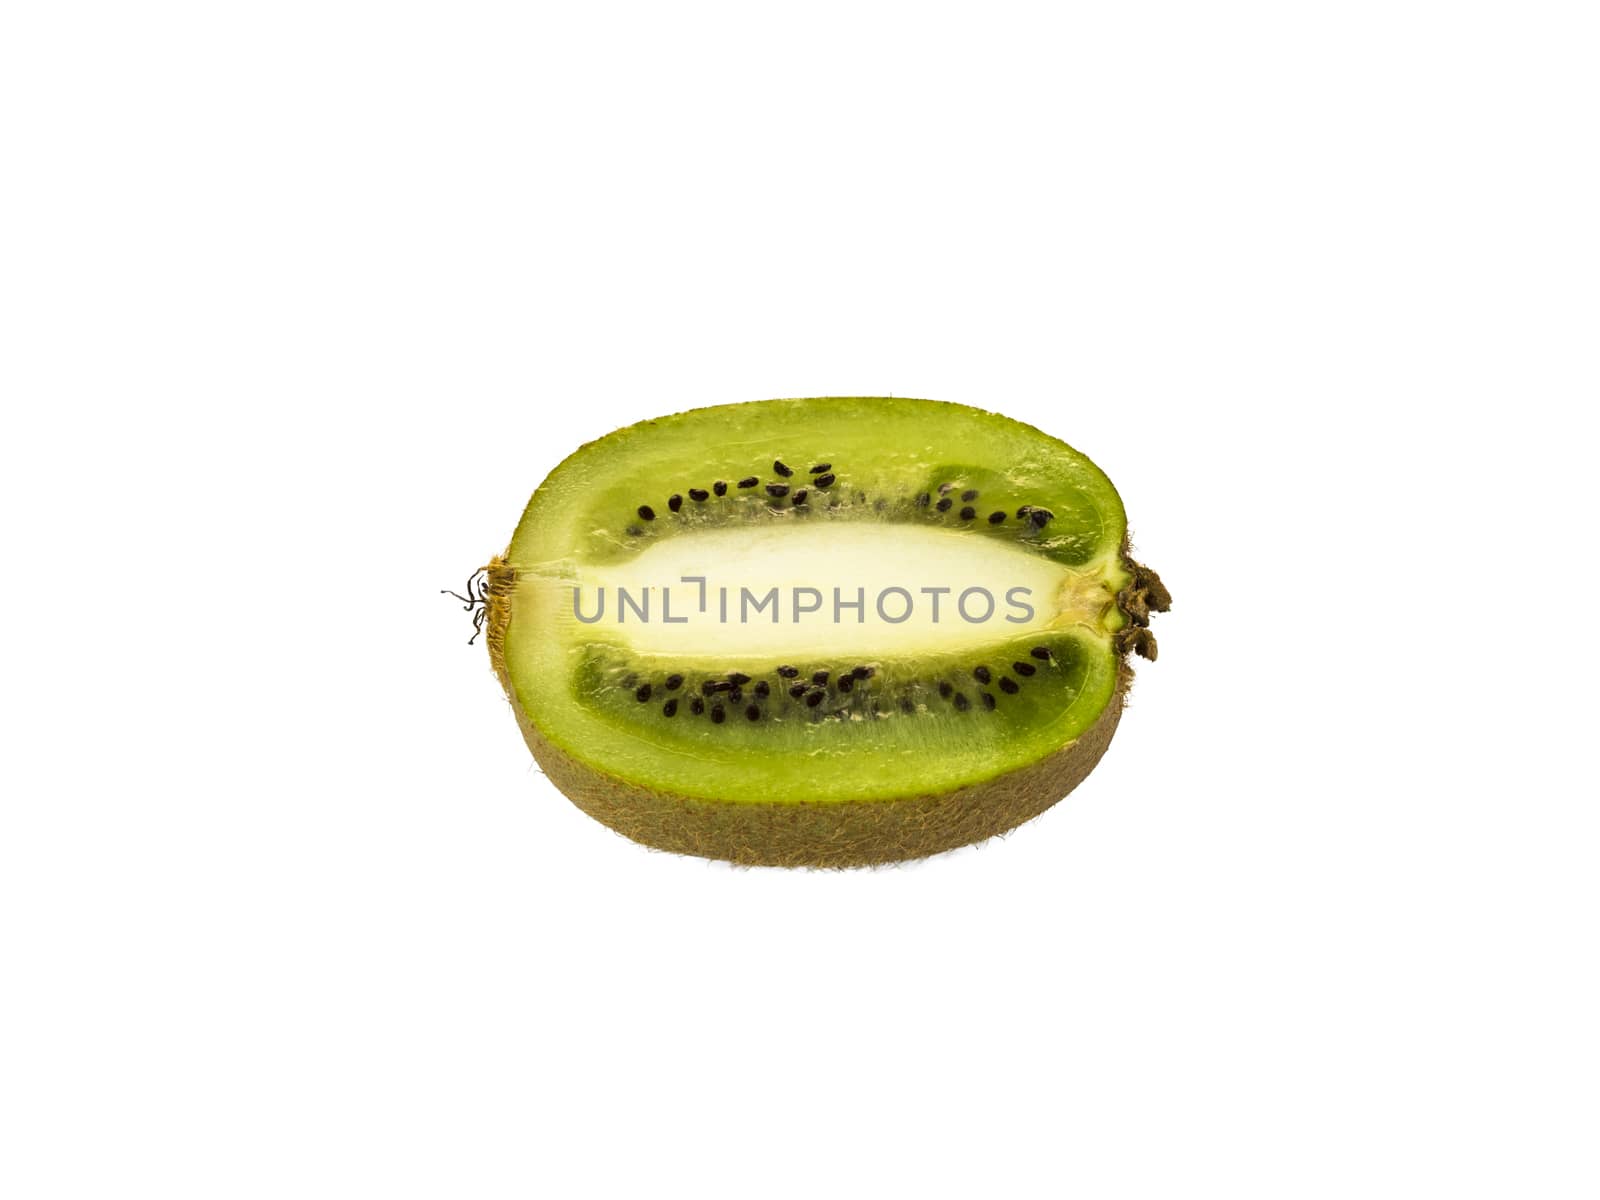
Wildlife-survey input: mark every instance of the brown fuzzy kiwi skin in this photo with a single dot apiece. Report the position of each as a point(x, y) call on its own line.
point(805, 833)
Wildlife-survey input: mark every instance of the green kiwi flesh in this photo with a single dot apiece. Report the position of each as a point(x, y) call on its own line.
point(716, 712)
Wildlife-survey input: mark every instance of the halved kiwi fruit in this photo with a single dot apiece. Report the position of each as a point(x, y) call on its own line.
point(825, 632)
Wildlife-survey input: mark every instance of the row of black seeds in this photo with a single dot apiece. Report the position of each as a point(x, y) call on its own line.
point(813, 692)
point(1029, 514)
point(777, 491)
point(985, 676)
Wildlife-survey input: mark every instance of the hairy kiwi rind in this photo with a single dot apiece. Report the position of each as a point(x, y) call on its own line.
point(812, 833)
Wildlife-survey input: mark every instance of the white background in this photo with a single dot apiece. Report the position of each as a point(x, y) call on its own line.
point(301, 301)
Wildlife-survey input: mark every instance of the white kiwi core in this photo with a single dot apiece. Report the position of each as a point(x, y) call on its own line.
point(859, 589)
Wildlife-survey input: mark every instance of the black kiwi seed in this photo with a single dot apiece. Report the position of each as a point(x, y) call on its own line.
point(981, 674)
point(799, 498)
point(674, 502)
point(820, 468)
point(906, 705)
point(961, 702)
point(946, 488)
point(738, 677)
point(864, 672)
point(944, 505)
point(720, 488)
point(996, 517)
point(699, 495)
point(697, 706)
point(674, 682)
point(1023, 669)
point(777, 490)
point(814, 698)
point(824, 481)
point(763, 689)
point(1042, 653)
point(718, 714)
point(789, 672)
point(749, 481)
point(781, 469)
point(922, 500)
point(846, 682)
point(819, 677)
point(752, 713)
point(737, 694)
point(945, 689)
point(968, 513)
point(988, 700)
point(970, 494)
point(1009, 686)
point(799, 690)
point(643, 693)
point(646, 513)
point(670, 708)
point(1040, 517)
point(712, 686)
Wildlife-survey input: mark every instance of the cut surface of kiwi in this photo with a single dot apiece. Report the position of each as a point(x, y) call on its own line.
point(830, 632)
